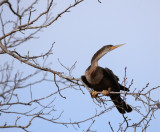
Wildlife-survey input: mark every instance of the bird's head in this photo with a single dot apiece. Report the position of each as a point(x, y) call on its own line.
point(108, 48)
point(104, 50)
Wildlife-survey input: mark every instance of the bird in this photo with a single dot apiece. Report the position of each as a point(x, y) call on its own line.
point(104, 80)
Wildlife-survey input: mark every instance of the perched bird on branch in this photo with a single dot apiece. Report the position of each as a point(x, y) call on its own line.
point(103, 80)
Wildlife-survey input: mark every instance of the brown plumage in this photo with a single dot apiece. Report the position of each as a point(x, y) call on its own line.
point(103, 79)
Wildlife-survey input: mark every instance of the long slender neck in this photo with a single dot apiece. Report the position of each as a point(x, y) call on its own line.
point(99, 54)
point(94, 74)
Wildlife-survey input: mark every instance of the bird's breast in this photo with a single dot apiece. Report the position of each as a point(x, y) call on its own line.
point(94, 77)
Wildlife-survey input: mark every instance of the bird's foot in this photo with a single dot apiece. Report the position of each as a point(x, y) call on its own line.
point(106, 92)
point(94, 94)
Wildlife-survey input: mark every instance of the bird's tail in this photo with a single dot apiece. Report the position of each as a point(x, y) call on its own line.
point(120, 104)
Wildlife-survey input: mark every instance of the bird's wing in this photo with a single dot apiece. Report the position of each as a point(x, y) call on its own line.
point(83, 78)
point(111, 74)
point(115, 78)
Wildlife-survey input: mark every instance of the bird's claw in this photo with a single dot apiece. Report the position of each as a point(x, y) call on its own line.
point(106, 92)
point(94, 94)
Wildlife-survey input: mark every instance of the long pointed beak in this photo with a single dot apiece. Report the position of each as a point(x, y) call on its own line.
point(116, 46)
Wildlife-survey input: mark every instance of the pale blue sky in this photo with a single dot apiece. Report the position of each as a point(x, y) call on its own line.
point(88, 27)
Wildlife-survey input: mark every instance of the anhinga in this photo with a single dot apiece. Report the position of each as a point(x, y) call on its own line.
point(103, 80)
